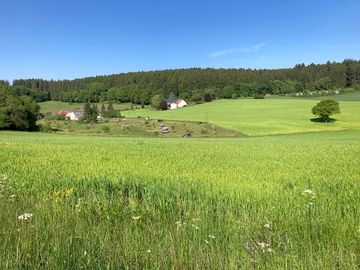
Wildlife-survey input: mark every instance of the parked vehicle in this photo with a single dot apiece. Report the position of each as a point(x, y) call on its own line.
point(164, 130)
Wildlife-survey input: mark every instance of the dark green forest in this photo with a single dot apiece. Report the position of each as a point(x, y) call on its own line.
point(191, 84)
point(17, 112)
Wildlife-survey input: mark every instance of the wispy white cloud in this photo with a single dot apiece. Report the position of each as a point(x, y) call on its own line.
point(258, 46)
point(222, 53)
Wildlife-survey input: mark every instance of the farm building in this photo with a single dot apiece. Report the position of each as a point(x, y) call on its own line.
point(176, 103)
point(62, 113)
point(75, 115)
point(72, 115)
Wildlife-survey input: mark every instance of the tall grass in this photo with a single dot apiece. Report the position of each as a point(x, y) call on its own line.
point(285, 202)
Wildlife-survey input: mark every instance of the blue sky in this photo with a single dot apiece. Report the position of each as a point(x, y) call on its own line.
point(72, 39)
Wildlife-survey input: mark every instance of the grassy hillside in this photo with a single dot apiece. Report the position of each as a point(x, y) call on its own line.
point(261, 117)
point(274, 202)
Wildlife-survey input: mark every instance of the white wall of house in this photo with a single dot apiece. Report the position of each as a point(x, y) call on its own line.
point(182, 103)
point(72, 116)
point(173, 106)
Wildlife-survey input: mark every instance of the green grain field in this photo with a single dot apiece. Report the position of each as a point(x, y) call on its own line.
point(278, 202)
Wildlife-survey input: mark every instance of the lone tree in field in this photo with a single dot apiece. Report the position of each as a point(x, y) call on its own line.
point(325, 108)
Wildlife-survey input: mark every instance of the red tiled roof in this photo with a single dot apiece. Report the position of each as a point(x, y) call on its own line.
point(178, 100)
point(63, 113)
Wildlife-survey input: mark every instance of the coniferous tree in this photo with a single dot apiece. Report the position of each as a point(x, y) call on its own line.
point(94, 113)
point(87, 111)
point(103, 110)
point(155, 101)
point(349, 75)
point(111, 113)
point(138, 87)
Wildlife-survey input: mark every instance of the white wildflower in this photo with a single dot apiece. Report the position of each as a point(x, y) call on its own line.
point(264, 246)
point(179, 223)
point(78, 205)
point(207, 242)
point(148, 251)
point(211, 236)
point(308, 192)
point(195, 227)
point(267, 226)
point(25, 216)
point(136, 218)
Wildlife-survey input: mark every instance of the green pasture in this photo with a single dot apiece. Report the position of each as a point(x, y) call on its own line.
point(261, 117)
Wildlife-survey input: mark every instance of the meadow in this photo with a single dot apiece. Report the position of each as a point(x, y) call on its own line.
point(276, 202)
point(261, 117)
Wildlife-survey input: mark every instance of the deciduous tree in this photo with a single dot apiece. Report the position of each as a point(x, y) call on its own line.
point(326, 108)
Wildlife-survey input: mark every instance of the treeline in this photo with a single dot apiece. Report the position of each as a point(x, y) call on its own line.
point(192, 84)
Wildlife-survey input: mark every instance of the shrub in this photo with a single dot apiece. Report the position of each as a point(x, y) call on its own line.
point(259, 96)
point(207, 97)
point(204, 131)
point(45, 127)
point(105, 129)
point(163, 105)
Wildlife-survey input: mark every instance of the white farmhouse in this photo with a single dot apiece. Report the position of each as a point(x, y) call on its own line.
point(176, 103)
point(74, 115)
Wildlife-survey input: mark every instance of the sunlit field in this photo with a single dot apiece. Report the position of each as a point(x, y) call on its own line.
point(279, 202)
point(261, 117)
